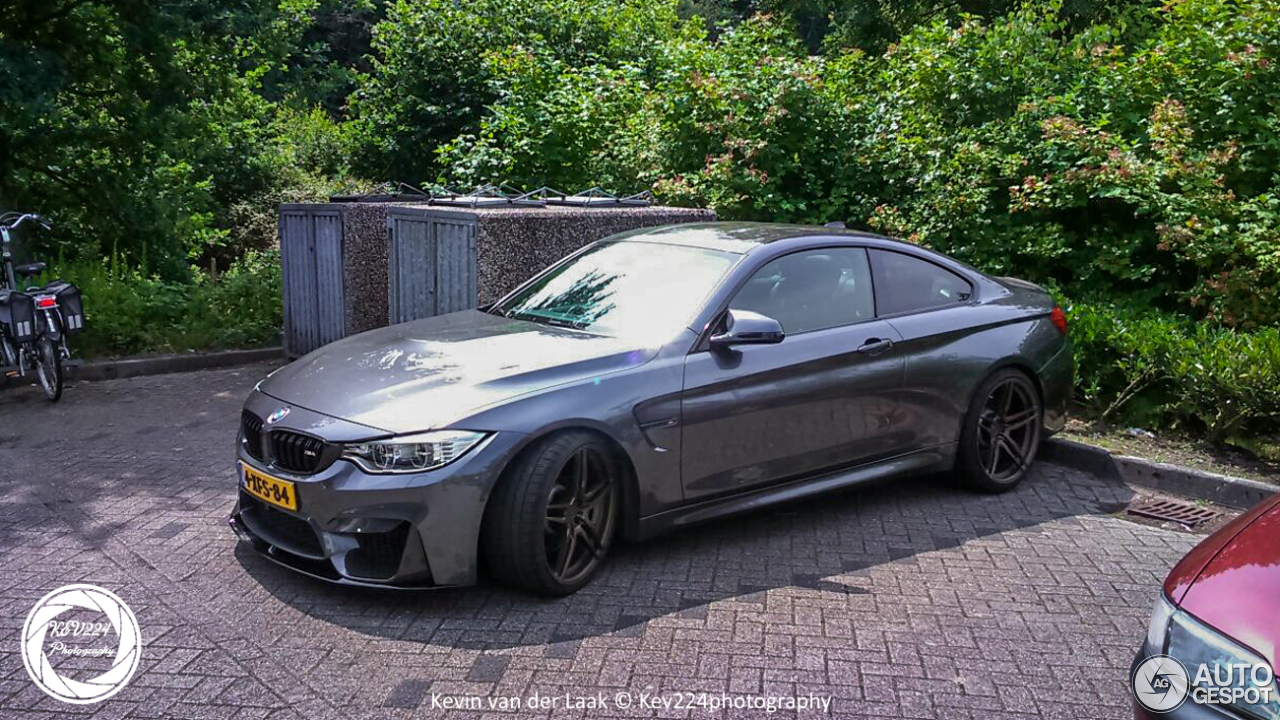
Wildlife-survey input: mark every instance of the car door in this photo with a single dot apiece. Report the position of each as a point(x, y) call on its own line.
point(823, 398)
point(930, 308)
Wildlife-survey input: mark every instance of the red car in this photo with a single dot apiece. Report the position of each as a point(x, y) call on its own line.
point(1214, 639)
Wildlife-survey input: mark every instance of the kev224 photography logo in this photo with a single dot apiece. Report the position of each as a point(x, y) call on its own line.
point(81, 644)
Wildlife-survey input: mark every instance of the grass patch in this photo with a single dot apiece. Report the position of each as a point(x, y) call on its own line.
point(128, 312)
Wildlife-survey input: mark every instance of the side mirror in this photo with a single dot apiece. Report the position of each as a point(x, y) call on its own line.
point(743, 327)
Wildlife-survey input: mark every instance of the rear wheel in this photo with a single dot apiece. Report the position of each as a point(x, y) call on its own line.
point(8, 353)
point(553, 517)
point(49, 368)
point(1001, 432)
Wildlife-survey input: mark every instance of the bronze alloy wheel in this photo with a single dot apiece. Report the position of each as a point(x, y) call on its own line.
point(581, 511)
point(1008, 429)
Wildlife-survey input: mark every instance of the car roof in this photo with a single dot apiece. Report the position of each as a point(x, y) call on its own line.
point(745, 237)
point(740, 237)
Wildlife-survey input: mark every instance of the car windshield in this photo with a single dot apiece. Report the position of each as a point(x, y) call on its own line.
point(623, 288)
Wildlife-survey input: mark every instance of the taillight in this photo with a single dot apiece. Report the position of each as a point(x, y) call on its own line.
point(1059, 319)
point(46, 302)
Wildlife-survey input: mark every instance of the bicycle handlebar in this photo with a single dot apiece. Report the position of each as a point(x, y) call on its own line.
point(8, 224)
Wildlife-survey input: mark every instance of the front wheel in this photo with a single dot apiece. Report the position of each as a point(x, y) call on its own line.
point(552, 519)
point(1001, 432)
point(49, 368)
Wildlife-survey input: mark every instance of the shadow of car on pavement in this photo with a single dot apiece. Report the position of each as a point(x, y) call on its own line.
point(828, 544)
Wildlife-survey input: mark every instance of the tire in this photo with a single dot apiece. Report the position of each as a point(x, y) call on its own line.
point(8, 352)
point(1001, 432)
point(543, 533)
point(49, 369)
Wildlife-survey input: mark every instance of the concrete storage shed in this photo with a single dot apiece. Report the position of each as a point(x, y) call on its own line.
point(354, 266)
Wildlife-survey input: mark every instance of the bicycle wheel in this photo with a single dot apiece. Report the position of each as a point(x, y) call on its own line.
point(8, 352)
point(49, 368)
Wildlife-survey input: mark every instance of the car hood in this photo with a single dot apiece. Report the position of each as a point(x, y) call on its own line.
point(428, 374)
point(1237, 589)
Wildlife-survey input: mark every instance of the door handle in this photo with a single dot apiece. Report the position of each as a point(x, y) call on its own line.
point(875, 346)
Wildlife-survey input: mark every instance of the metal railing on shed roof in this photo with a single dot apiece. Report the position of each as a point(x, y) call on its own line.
point(498, 196)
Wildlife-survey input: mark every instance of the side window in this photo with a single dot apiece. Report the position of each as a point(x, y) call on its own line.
point(811, 290)
point(905, 283)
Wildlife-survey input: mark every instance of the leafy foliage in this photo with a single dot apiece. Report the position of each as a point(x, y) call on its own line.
point(431, 77)
point(1161, 370)
point(1136, 158)
point(132, 123)
point(127, 311)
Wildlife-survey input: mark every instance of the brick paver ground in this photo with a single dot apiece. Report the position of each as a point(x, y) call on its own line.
point(914, 599)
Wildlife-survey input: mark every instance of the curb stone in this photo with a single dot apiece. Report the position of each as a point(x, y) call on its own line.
point(162, 364)
point(1239, 493)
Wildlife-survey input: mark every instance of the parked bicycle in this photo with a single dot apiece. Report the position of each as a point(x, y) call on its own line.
point(35, 321)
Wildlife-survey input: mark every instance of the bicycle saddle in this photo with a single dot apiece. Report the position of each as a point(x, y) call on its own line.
point(34, 268)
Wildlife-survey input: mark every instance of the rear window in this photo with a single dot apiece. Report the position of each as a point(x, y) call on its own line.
point(904, 283)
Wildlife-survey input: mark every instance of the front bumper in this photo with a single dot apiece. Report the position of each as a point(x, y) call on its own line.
point(409, 531)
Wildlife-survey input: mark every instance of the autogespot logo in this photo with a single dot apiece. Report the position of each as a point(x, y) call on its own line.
point(1160, 683)
point(74, 625)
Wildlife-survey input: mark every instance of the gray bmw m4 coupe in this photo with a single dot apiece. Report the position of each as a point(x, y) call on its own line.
point(649, 381)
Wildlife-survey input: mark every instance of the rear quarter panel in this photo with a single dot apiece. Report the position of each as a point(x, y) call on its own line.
point(950, 351)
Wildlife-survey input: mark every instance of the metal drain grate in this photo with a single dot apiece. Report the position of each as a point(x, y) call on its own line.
point(1174, 511)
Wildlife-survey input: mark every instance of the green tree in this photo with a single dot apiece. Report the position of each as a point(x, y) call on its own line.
point(132, 123)
point(431, 72)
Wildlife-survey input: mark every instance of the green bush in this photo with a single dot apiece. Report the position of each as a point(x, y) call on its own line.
point(431, 76)
point(1136, 158)
point(742, 124)
point(1228, 382)
point(129, 312)
point(133, 125)
point(1161, 370)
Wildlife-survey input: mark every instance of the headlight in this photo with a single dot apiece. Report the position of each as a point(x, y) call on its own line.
point(1222, 664)
point(1158, 630)
point(412, 453)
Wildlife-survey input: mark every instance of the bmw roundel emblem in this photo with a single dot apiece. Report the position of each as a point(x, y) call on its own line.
point(277, 416)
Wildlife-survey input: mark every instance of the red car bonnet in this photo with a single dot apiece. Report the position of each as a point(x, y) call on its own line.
point(1232, 580)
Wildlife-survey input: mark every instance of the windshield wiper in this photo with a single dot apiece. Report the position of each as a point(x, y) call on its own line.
point(546, 320)
point(553, 321)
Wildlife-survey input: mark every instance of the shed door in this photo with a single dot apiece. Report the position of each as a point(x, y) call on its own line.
point(433, 264)
point(311, 261)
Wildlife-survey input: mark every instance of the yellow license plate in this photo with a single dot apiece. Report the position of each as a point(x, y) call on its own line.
point(274, 490)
